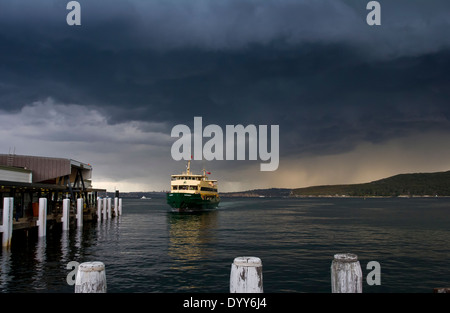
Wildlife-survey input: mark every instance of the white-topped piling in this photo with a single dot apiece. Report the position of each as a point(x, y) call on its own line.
point(99, 209)
point(105, 211)
point(65, 214)
point(79, 212)
point(7, 227)
point(42, 221)
point(120, 206)
point(346, 274)
point(246, 275)
point(116, 206)
point(91, 278)
point(108, 201)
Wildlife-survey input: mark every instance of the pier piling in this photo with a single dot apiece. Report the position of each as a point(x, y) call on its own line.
point(91, 278)
point(99, 209)
point(246, 275)
point(120, 206)
point(6, 228)
point(65, 214)
point(80, 212)
point(346, 274)
point(105, 216)
point(42, 221)
point(108, 201)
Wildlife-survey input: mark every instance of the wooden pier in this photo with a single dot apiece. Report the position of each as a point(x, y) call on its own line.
point(26, 223)
point(29, 183)
point(77, 215)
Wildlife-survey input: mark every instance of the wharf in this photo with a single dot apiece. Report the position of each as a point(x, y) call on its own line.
point(26, 180)
point(26, 223)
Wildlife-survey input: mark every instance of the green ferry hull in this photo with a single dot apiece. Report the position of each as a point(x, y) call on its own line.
point(190, 202)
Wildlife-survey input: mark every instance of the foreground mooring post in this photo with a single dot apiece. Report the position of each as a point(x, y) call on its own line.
point(90, 278)
point(246, 275)
point(346, 274)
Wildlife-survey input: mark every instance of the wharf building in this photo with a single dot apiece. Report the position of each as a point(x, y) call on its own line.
point(28, 178)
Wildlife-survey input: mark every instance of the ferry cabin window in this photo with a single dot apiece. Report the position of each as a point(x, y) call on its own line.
point(175, 187)
point(208, 189)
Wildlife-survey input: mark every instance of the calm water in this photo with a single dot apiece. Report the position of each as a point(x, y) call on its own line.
point(149, 249)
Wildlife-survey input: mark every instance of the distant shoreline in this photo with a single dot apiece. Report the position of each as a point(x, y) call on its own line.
point(159, 195)
point(415, 185)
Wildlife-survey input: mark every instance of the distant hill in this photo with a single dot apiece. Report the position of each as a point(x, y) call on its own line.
point(416, 184)
point(272, 192)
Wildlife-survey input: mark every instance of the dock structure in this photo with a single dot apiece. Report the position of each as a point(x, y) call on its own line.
point(27, 179)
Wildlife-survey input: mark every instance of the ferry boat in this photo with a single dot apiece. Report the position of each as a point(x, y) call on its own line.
point(192, 192)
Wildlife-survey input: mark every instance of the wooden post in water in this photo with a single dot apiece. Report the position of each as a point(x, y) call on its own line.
point(346, 274)
point(120, 206)
point(42, 221)
point(80, 212)
point(116, 206)
point(65, 214)
point(109, 207)
point(105, 215)
point(246, 275)
point(6, 228)
point(441, 290)
point(90, 278)
point(99, 209)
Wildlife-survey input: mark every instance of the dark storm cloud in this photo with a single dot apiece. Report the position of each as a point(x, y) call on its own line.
point(313, 67)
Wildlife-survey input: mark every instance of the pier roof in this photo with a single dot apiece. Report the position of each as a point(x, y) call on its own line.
point(45, 168)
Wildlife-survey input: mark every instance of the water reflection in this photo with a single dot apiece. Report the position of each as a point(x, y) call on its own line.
point(39, 277)
point(65, 247)
point(296, 240)
point(191, 237)
point(78, 236)
point(5, 269)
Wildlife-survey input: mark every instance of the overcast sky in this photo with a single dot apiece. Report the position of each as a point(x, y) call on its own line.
point(354, 103)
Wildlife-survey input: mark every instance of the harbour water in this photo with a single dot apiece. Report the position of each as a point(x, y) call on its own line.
point(152, 250)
